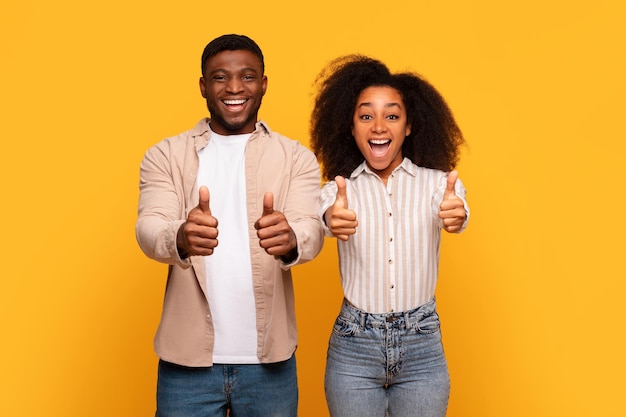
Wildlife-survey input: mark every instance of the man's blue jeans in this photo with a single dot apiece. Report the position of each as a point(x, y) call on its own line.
point(379, 363)
point(266, 390)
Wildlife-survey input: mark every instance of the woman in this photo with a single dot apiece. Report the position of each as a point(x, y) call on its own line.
point(387, 143)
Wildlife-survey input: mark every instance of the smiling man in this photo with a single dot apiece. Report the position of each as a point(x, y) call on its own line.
point(230, 205)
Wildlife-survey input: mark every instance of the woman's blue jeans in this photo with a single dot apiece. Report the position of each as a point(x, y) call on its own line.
point(266, 390)
point(387, 363)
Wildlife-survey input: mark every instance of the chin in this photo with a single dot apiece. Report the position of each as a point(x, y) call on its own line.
point(378, 165)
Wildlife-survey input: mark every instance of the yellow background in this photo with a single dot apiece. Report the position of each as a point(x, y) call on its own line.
point(531, 295)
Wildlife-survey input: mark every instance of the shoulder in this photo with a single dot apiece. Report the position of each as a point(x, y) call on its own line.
point(275, 136)
point(183, 140)
point(428, 174)
point(287, 144)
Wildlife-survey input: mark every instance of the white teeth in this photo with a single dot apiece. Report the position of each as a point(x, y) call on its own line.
point(379, 141)
point(233, 102)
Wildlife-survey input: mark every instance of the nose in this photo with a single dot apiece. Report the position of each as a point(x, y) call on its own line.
point(234, 85)
point(378, 127)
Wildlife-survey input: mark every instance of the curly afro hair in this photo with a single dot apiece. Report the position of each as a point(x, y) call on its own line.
point(434, 140)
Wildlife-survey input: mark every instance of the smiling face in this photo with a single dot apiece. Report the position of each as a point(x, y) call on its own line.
point(379, 126)
point(233, 86)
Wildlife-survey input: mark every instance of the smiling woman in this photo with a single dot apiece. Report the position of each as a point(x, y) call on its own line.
point(379, 127)
point(433, 139)
point(392, 136)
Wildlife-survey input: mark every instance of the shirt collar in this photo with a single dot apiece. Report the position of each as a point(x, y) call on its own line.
point(201, 132)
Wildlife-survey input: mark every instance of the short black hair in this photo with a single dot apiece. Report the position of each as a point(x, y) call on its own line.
point(231, 42)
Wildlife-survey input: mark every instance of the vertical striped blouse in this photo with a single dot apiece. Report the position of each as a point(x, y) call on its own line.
point(391, 263)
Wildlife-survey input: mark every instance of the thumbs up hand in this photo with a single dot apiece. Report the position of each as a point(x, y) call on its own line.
point(274, 233)
point(198, 235)
point(451, 209)
point(340, 219)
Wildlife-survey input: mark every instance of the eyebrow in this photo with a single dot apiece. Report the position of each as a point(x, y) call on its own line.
point(388, 105)
point(244, 69)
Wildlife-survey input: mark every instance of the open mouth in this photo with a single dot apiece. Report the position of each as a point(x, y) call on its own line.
point(379, 147)
point(234, 103)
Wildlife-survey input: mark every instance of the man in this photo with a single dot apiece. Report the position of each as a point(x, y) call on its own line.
point(230, 205)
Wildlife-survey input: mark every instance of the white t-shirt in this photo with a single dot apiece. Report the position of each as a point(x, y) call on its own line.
point(228, 269)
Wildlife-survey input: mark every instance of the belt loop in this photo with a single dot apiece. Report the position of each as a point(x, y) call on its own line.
point(362, 319)
point(407, 323)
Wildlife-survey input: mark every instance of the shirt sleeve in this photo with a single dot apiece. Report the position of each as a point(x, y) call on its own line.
point(301, 206)
point(159, 213)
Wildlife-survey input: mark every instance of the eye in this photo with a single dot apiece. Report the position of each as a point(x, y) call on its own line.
point(365, 117)
point(248, 77)
point(219, 78)
point(393, 117)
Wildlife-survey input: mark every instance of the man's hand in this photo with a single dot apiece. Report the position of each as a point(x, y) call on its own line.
point(340, 219)
point(451, 209)
point(275, 234)
point(198, 235)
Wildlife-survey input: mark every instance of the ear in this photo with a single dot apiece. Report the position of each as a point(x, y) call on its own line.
point(264, 84)
point(407, 130)
point(202, 87)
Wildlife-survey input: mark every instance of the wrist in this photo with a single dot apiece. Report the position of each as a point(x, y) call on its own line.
point(292, 254)
point(181, 243)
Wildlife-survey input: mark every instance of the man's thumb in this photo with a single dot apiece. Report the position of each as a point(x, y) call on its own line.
point(268, 203)
point(203, 201)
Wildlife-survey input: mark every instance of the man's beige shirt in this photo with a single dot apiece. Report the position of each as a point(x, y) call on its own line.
point(168, 191)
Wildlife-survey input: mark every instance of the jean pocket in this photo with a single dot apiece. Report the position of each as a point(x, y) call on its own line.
point(344, 327)
point(429, 323)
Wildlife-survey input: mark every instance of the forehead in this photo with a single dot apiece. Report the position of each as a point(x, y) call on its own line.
point(380, 93)
point(233, 61)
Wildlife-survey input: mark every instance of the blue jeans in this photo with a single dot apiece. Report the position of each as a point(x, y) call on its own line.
point(387, 363)
point(265, 390)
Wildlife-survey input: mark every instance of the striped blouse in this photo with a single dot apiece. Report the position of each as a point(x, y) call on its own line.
point(391, 263)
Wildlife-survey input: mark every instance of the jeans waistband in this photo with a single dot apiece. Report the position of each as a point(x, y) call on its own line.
point(403, 319)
